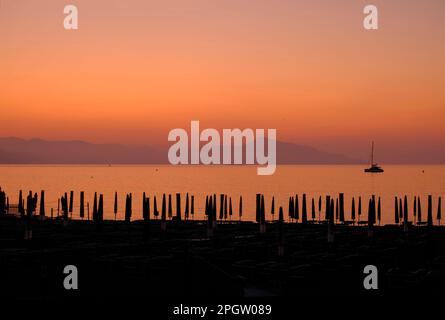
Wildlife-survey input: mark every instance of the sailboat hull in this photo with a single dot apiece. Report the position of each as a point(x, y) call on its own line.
point(374, 170)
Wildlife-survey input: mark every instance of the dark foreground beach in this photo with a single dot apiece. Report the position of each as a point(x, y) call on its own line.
point(136, 259)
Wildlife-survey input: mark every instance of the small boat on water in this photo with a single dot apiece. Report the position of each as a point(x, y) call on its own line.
point(375, 168)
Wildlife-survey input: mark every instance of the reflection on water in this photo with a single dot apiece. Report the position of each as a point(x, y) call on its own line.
point(288, 180)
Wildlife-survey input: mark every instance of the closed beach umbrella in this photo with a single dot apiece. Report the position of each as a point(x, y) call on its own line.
point(415, 206)
point(359, 210)
point(336, 209)
point(272, 209)
point(101, 208)
point(400, 209)
point(206, 211)
point(328, 211)
point(297, 208)
point(164, 213)
point(115, 205)
point(258, 207)
point(144, 211)
point(155, 207)
point(263, 210)
point(405, 209)
point(178, 207)
point(71, 201)
point(370, 218)
point(342, 207)
point(214, 208)
point(170, 207)
point(353, 209)
point(379, 211)
point(82, 205)
point(439, 209)
point(230, 208)
point(291, 208)
point(304, 210)
point(221, 207)
point(187, 204)
point(396, 210)
point(164, 208)
point(430, 211)
point(313, 209)
point(210, 214)
point(225, 207)
point(280, 232)
point(42, 203)
point(20, 206)
point(192, 209)
point(240, 207)
point(94, 207)
point(419, 210)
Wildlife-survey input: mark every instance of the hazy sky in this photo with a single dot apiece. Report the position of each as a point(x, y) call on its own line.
point(136, 69)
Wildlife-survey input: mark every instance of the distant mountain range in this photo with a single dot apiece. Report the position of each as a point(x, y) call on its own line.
point(37, 151)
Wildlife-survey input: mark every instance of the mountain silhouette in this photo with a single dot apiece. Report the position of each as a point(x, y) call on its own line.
point(37, 151)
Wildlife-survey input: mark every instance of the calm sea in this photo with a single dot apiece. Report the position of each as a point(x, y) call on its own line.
point(288, 180)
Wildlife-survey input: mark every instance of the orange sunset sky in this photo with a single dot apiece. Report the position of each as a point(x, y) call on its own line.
point(136, 69)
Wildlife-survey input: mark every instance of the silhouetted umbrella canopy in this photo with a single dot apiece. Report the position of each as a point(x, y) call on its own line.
point(353, 209)
point(71, 200)
point(291, 207)
point(396, 210)
point(209, 213)
point(359, 206)
point(405, 209)
point(164, 208)
point(297, 208)
point(379, 210)
point(258, 207)
point(280, 225)
point(100, 211)
point(82, 205)
point(144, 207)
point(42, 203)
point(240, 206)
point(419, 210)
point(430, 210)
point(304, 210)
point(225, 207)
point(170, 208)
point(400, 208)
point(342, 207)
point(439, 209)
point(192, 209)
point(313, 209)
point(20, 206)
point(263, 210)
point(327, 209)
point(178, 207)
point(94, 206)
point(272, 210)
point(415, 206)
point(186, 212)
point(230, 207)
point(155, 207)
point(370, 210)
point(336, 209)
point(115, 203)
point(221, 207)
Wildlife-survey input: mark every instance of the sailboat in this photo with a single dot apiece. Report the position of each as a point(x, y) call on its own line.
point(375, 168)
